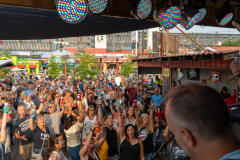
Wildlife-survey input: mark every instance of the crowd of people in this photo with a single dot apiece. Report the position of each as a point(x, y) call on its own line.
point(110, 118)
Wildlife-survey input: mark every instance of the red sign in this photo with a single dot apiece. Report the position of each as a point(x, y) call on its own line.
point(32, 66)
point(20, 66)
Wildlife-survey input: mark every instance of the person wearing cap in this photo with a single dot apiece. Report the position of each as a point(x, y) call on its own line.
point(14, 87)
point(9, 82)
point(224, 93)
point(61, 88)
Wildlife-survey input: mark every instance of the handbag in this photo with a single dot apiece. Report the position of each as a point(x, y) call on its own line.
point(38, 156)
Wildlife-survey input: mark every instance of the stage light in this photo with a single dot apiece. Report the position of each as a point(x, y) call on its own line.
point(167, 16)
point(141, 9)
point(203, 13)
point(97, 6)
point(223, 17)
point(72, 11)
point(144, 9)
point(190, 17)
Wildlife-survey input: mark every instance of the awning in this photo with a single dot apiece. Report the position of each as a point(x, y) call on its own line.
point(44, 65)
point(32, 66)
point(20, 66)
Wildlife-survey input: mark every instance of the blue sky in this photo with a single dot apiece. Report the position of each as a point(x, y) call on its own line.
point(197, 28)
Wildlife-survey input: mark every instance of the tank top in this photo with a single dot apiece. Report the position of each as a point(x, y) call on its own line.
point(128, 151)
point(112, 142)
point(87, 125)
point(133, 122)
point(177, 151)
point(90, 158)
point(146, 140)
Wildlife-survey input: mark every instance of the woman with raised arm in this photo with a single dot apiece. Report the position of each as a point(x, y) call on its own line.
point(54, 146)
point(41, 133)
point(72, 126)
point(145, 128)
point(130, 146)
point(88, 151)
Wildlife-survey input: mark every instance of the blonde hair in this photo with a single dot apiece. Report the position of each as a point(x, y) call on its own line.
point(148, 125)
point(91, 106)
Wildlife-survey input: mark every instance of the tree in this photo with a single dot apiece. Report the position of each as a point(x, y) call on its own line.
point(62, 66)
point(230, 42)
point(53, 69)
point(88, 64)
point(127, 67)
point(4, 54)
point(4, 72)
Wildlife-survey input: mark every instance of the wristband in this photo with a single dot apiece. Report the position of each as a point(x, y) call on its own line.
point(5, 110)
point(91, 129)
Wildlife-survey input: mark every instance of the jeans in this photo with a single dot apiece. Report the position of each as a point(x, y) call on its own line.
point(149, 155)
point(39, 150)
point(74, 152)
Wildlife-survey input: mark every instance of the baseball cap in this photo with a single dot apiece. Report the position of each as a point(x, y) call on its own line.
point(69, 76)
point(61, 85)
point(15, 83)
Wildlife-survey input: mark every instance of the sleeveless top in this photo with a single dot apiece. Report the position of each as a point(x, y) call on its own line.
point(128, 151)
point(176, 151)
point(133, 122)
point(147, 140)
point(90, 158)
point(112, 142)
point(87, 125)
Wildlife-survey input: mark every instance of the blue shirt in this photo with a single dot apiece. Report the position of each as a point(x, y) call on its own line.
point(110, 84)
point(81, 88)
point(29, 92)
point(232, 156)
point(157, 100)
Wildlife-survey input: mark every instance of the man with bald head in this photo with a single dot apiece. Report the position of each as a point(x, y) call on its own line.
point(22, 131)
point(199, 119)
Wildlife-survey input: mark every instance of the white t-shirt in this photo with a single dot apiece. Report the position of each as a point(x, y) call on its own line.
point(118, 81)
point(61, 90)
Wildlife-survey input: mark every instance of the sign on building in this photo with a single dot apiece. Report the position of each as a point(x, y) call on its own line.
point(24, 53)
point(134, 37)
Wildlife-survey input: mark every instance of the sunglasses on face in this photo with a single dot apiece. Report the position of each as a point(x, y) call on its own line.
point(75, 90)
point(50, 107)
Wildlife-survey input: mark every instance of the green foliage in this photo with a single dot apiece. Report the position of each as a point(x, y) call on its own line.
point(127, 67)
point(4, 72)
point(231, 43)
point(62, 67)
point(53, 68)
point(5, 53)
point(88, 64)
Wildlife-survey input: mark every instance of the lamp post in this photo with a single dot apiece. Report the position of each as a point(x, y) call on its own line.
point(65, 57)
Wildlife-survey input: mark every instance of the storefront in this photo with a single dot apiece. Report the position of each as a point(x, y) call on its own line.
point(32, 65)
point(210, 67)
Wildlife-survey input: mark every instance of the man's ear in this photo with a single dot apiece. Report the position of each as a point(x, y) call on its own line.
point(187, 137)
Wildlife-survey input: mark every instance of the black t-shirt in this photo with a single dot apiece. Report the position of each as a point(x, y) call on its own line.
point(39, 136)
point(19, 91)
point(112, 142)
point(89, 79)
point(146, 140)
point(22, 126)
